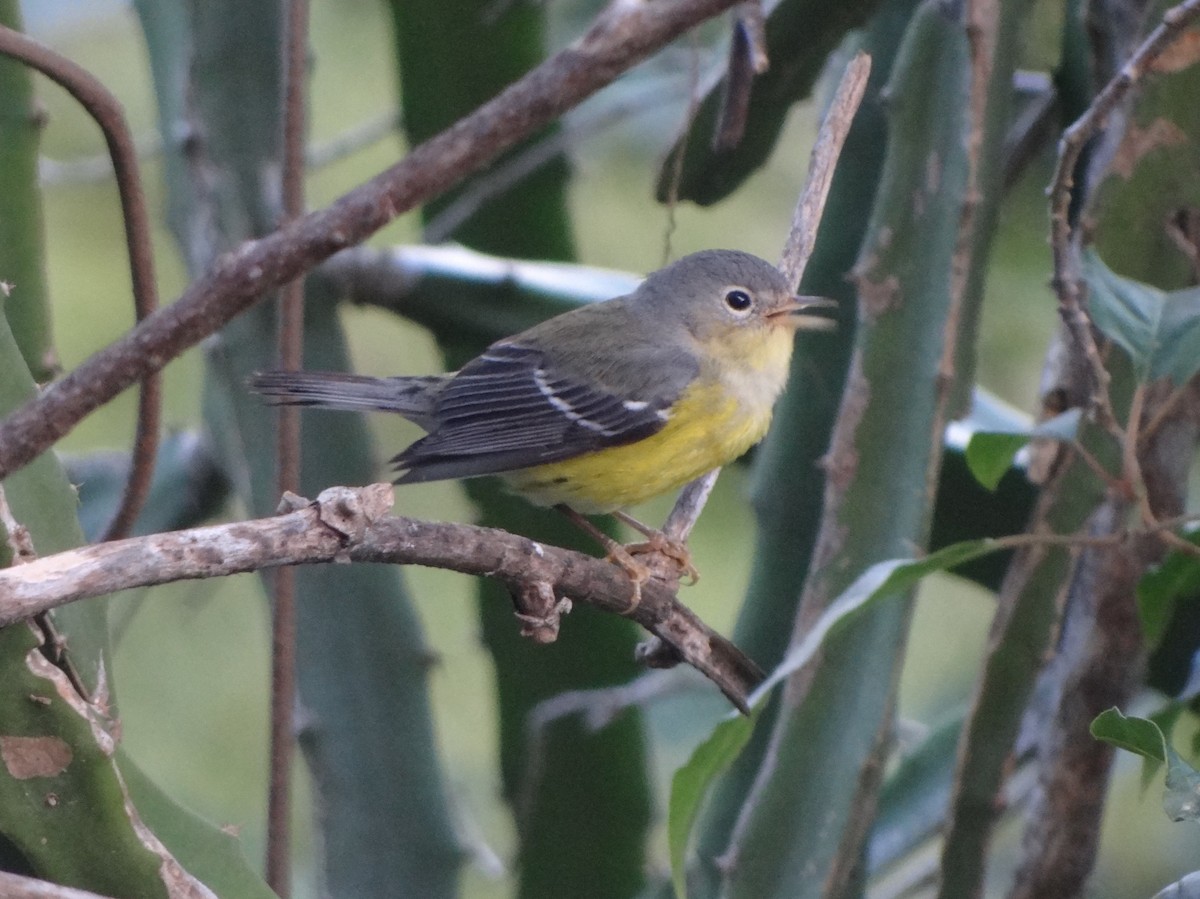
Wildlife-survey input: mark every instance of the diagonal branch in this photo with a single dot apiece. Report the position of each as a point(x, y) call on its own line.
point(621, 36)
point(350, 525)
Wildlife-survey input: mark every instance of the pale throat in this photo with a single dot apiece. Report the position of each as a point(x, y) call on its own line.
point(755, 370)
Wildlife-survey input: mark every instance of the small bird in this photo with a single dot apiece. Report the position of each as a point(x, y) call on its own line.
point(604, 406)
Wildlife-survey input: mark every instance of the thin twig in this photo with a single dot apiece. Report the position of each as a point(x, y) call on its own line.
point(1106, 477)
point(620, 37)
point(1134, 476)
point(822, 164)
point(1164, 409)
point(1067, 283)
point(102, 106)
point(351, 525)
point(95, 167)
point(291, 349)
point(676, 162)
point(688, 507)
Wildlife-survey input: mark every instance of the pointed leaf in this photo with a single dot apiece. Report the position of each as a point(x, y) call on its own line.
point(1160, 331)
point(1138, 735)
point(1178, 356)
point(990, 453)
point(1165, 718)
point(881, 580)
point(691, 783)
point(1126, 311)
point(1178, 577)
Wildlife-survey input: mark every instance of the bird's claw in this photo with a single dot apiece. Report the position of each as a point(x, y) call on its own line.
point(638, 574)
point(675, 550)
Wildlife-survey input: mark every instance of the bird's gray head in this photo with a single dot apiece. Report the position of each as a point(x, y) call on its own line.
point(716, 292)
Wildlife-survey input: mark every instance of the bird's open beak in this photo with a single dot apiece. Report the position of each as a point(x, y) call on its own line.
point(805, 314)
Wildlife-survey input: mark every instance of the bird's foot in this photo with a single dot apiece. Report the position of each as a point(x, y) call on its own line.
point(659, 543)
point(674, 550)
point(624, 556)
point(638, 573)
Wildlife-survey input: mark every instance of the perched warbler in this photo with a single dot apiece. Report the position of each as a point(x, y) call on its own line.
point(606, 405)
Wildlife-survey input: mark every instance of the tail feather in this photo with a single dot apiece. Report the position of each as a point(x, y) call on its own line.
point(412, 397)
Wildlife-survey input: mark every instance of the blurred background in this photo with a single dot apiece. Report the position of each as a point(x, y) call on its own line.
point(192, 661)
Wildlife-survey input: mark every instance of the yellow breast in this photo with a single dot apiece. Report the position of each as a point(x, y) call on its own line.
point(725, 412)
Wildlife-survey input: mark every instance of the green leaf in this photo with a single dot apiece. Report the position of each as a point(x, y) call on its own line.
point(990, 453)
point(691, 783)
point(1158, 591)
point(1166, 719)
point(212, 854)
point(1138, 735)
point(1160, 331)
point(1126, 311)
point(1181, 793)
point(1178, 356)
point(881, 580)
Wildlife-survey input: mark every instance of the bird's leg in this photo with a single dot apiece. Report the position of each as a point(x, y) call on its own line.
point(658, 542)
point(615, 552)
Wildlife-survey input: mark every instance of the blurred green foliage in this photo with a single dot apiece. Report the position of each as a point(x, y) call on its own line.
point(192, 664)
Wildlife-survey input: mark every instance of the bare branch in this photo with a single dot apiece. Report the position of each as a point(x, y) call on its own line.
point(822, 164)
point(102, 106)
point(1064, 239)
point(688, 507)
point(350, 525)
point(622, 35)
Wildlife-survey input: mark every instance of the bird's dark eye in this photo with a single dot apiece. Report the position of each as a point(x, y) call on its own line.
point(738, 300)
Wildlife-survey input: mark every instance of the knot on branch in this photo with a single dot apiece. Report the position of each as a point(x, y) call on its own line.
point(349, 511)
point(539, 610)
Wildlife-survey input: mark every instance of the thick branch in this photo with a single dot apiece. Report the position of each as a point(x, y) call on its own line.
point(350, 525)
point(623, 35)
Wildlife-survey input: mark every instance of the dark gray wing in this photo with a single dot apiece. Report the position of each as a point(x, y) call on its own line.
point(509, 408)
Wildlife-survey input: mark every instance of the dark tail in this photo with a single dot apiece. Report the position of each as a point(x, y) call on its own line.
point(412, 397)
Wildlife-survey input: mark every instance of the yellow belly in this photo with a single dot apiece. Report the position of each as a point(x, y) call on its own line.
point(708, 427)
